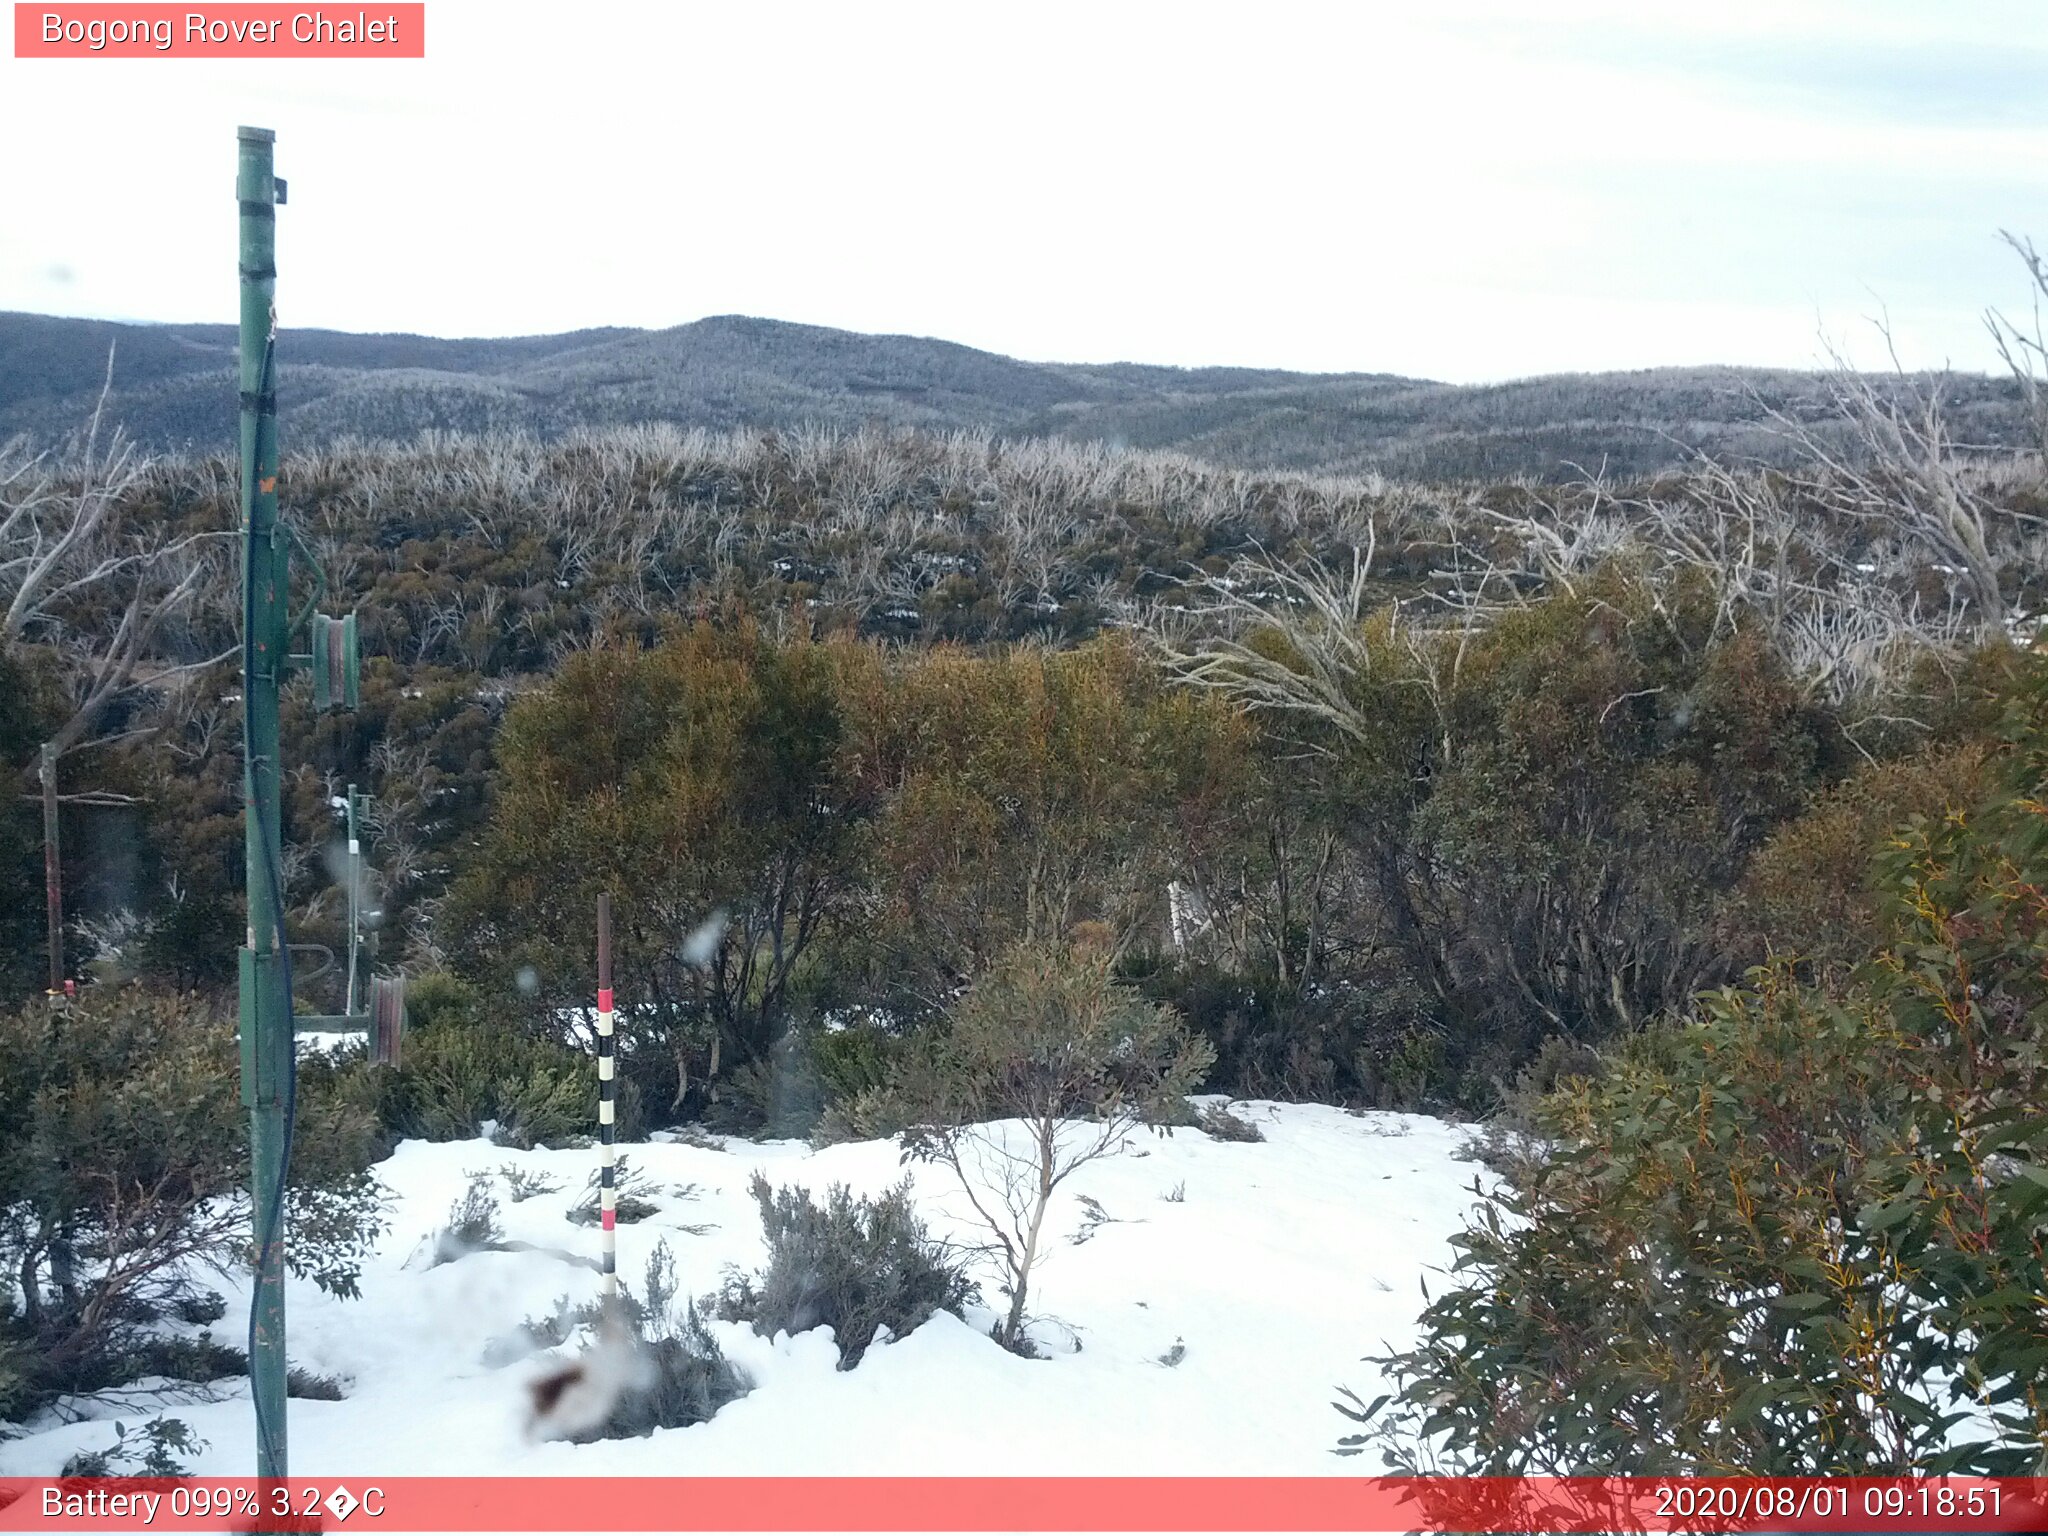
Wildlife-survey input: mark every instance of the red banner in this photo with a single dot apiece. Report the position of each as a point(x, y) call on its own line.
point(1025, 1504)
point(380, 31)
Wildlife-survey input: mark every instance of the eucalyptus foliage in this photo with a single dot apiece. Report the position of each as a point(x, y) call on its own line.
point(1802, 1232)
point(124, 1168)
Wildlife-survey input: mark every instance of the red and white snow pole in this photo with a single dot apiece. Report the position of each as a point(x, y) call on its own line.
point(607, 1102)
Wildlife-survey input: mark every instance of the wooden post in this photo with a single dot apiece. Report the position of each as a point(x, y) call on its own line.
point(53, 866)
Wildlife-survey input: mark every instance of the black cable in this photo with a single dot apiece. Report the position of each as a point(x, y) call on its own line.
point(267, 1433)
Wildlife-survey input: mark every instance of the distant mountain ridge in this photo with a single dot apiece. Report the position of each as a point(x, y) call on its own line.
point(175, 389)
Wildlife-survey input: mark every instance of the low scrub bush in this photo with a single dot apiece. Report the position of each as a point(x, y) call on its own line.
point(200, 1359)
point(689, 1379)
point(312, 1386)
point(472, 1225)
point(1219, 1122)
point(1048, 1037)
point(653, 1365)
point(463, 1070)
point(205, 1307)
point(524, 1185)
point(630, 1196)
point(853, 1265)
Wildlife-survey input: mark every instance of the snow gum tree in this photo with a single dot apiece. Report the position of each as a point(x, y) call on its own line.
point(1049, 1064)
point(702, 783)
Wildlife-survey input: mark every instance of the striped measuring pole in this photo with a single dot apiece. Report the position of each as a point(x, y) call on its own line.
point(607, 1103)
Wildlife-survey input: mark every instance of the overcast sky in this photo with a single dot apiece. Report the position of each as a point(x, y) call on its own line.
point(1458, 190)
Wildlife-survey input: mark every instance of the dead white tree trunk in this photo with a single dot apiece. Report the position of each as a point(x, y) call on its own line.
point(62, 545)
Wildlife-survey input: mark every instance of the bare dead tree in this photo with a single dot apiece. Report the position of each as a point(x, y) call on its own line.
point(1904, 476)
point(2025, 350)
point(63, 544)
point(1833, 583)
point(64, 553)
point(1279, 636)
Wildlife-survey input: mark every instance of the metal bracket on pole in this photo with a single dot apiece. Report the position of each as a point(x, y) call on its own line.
point(337, 667)
point(384, 1022)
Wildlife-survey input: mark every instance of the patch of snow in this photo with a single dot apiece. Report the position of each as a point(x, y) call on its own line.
point(327, 1042)
point(1278, 1265)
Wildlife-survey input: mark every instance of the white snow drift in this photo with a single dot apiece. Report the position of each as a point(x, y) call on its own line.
point(1279, 1265)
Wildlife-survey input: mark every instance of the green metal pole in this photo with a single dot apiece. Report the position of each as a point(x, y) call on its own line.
point(265, 1019)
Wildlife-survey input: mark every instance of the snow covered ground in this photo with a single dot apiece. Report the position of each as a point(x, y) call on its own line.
point(1284, 1262)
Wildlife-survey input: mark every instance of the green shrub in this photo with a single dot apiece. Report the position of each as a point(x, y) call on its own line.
point(1801, 1233)
point(1373, 1039)
point(810, 1076)
point(31, 702)
point(19, 1395)
point(125, 1091)
point(778, 1094)
point(852, 1265)
point(704, 781)
point(855, 1060)
point(461, 1069)
point(1612, 759)
point(1810, 893)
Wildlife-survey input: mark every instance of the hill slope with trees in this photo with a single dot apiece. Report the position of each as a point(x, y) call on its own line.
point(174, 388)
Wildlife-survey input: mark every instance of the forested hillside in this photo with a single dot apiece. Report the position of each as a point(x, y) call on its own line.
point(174, 387)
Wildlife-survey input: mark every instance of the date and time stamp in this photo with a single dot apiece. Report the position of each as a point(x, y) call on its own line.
point(1889, 1504)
